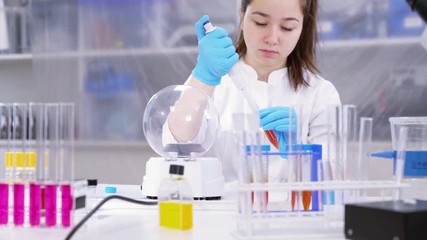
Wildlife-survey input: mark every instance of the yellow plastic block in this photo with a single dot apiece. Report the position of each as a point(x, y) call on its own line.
point(176, 215)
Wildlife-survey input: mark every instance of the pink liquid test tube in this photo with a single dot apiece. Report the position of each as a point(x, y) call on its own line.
point(50, 204)
point(35, 161)
point(66, 165)
point(67, 205)
point(51, 158)
point(4, 203)
point(35, 204)
point(18, 203)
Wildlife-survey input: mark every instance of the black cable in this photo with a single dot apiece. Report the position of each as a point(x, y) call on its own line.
point(99, 205)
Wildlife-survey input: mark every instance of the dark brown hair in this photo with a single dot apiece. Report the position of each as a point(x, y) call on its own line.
point(303, 56)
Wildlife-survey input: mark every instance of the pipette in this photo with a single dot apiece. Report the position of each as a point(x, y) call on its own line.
point(238, 77)
point(208, 27)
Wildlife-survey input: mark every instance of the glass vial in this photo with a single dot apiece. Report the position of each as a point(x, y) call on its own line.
point(176, 200)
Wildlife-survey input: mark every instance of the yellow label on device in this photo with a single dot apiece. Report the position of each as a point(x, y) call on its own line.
point(176, 215)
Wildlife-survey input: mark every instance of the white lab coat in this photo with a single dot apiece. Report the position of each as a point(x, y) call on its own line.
point(228, 99)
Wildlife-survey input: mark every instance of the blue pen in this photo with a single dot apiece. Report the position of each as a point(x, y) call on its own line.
point(415, 161)
point(384, 154)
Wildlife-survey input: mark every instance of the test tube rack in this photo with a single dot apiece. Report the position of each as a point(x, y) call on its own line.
point(273, 219)
point(36, 179)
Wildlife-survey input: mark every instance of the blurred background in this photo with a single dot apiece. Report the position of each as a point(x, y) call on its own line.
point(111, 56)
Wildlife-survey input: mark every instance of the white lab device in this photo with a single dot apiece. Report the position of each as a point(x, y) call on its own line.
point(203, 174)
point(192, 108)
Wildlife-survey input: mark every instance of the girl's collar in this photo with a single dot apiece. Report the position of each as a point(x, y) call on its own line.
point(250, 71)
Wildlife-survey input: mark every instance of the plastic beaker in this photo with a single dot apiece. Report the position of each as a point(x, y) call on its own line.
point(413, 132)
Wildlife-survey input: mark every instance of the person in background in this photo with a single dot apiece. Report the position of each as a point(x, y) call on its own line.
point(275, 51)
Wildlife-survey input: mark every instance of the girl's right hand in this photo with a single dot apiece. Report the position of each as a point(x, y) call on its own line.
point(217, 54)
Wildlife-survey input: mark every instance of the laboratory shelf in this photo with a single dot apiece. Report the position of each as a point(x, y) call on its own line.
point(97, 53)
point(136, 52)
point(109, 144)
point(15, 57)
point(193, 49)
point(376, 42)
point(379, 42)
point(129, 52)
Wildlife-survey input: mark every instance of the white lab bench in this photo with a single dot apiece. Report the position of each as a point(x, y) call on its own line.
point(117, 219)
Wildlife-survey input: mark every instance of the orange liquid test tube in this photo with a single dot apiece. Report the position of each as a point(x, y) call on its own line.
point(306, 200)
point(306, 195)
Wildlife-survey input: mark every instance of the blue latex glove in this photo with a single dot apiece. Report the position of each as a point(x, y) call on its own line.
point(281, 120)
point(217, 54)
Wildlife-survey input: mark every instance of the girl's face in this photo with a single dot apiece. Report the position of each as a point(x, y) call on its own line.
point(271, 29)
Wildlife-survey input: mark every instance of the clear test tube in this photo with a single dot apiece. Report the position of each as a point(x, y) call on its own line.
point(365, 148)
point(66, 163)
point(51, 161)
point(296, 160)
point(34, 154)
point(364, 152)
point(19, 137)
point(259, 166)
point(335, 141)
point(401, 153)
point(350, 143)
point(334, 152)
point(6, 168)
point(324, 174)
point(241, 128)
point(400, 158)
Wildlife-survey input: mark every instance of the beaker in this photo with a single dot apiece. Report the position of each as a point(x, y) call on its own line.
point(409, 137)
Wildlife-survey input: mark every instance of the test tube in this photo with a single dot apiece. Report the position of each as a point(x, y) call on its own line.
point(51, 161)
point(66, 165)
point(401, 153)
point(260, 166)
point(349, 142)
point(35, 166)
point(365, 144)
point(333, 164)
point(325, 174)
point(296, 159)
point(335, 141)
point(241, 131)
point(19, 136)
point(6, 169)
point(400, 158)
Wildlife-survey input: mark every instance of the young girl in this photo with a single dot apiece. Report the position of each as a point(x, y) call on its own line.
point(275, 52)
